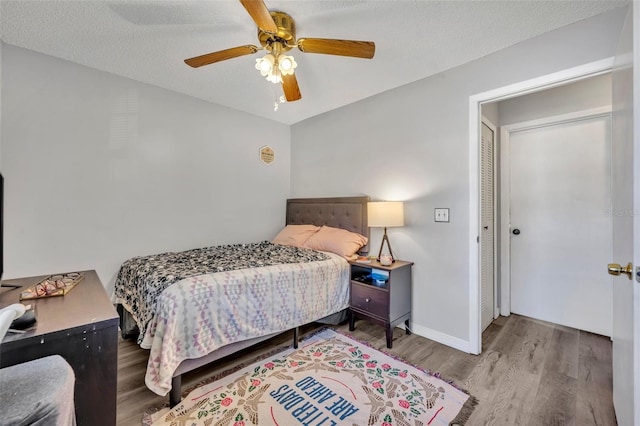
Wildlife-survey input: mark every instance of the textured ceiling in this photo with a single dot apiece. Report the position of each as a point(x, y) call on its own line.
point(148, 41)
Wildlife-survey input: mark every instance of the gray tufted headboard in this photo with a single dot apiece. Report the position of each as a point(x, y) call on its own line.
point(348, 213)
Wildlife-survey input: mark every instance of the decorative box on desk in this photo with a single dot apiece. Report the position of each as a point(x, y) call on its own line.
point(381, 294)
point(82, 327)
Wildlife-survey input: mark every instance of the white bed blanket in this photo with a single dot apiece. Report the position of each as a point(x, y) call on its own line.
point(198, 315)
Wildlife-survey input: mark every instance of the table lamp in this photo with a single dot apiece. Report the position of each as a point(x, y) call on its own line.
point(385, 214)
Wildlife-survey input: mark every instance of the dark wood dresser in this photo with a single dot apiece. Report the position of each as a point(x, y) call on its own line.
point(82, 327)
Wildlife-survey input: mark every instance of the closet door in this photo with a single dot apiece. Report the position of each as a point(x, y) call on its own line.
point(487, 231)
point(561, 222)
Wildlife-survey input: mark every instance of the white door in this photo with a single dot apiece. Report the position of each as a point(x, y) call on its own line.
point(560, 193)
point(626, 229)
point(487, 237)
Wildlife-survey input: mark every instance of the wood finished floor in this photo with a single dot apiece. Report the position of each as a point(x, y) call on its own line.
point(530, 372)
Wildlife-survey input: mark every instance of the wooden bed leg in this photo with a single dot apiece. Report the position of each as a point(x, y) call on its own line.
point(176, 391)
point(295, 338)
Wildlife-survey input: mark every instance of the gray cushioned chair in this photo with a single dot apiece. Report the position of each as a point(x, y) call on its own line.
point(38, 392)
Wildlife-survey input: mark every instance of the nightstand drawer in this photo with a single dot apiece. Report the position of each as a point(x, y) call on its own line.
point(369, 299)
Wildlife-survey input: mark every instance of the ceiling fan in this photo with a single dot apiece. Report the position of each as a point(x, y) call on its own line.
point(277, 35)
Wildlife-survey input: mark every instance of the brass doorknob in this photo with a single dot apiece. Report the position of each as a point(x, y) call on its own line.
point(616, 269)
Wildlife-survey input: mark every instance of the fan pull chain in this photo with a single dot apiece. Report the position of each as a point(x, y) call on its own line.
point(278, 99)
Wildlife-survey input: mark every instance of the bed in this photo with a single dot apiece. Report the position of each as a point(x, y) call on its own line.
point(258, 290)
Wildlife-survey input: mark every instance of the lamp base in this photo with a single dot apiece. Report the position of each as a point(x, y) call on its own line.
point(385, 260)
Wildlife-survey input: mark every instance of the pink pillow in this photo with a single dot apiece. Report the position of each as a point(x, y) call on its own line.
point(295, 235)
point(336, 240)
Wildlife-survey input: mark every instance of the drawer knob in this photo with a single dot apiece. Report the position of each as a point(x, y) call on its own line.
point(367, 300)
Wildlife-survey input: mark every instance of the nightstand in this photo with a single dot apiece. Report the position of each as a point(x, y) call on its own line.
point(381, 294)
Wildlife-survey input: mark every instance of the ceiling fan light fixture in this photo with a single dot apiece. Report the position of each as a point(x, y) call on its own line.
point(265, 64)
point(275, 76)
point(268, 67)
point(273, 67)
point(286, 64)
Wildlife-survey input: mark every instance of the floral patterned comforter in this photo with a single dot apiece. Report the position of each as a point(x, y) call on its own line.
point(191, 303)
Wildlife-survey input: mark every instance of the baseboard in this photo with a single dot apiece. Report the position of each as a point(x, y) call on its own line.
point(437, 336)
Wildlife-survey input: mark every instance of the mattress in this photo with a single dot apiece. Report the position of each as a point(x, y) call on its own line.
point(199, 314)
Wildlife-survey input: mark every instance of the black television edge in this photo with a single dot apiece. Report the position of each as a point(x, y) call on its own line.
point(1, 225)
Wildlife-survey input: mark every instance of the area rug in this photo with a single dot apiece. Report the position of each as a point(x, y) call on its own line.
point(331, 379)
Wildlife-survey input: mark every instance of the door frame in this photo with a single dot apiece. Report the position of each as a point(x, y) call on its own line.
point(505, 184)
point(475, 105)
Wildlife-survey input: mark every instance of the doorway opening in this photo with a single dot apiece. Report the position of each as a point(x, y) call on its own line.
point(476, 103)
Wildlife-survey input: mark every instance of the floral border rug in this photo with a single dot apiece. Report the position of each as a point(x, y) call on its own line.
point(331, 379)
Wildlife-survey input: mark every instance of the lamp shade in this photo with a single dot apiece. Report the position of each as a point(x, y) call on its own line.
point(385, 213)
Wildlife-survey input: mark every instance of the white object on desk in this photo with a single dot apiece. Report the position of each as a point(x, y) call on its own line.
point(8, 314)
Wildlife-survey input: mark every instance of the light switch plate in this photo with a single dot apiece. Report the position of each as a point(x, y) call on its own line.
point(441, 215)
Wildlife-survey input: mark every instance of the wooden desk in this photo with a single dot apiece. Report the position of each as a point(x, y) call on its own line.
point(82, 327)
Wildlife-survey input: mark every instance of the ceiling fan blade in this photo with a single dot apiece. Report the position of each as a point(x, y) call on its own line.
point(260, 14)
point(221, 55)
point(290, 88)
point(354, 48)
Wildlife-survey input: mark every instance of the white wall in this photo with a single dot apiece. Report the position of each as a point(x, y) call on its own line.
point(411, 144)
point(582, 95)
point(99, 168)
point(490, 111)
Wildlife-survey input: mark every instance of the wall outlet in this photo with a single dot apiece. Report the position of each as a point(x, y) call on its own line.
point(441, 215)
